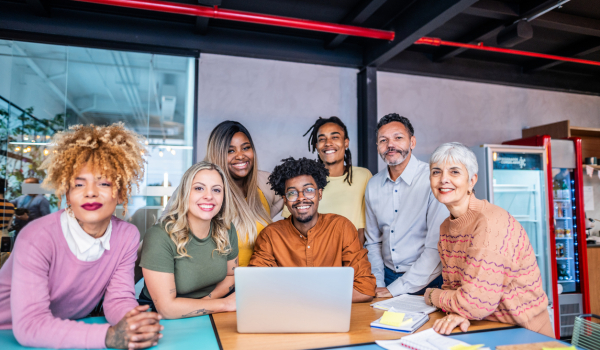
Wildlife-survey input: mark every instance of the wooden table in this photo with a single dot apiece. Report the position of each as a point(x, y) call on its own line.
point(360, 332)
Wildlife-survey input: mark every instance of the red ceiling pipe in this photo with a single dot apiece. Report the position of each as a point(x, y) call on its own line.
point(215, 12)
point(480, 46)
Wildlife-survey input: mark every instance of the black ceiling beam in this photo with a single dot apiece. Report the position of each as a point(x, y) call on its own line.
point(39, 7)
point(202, 22)
point(552, 20)
point(359, 14)
point(577, 50)
point(93, 29)
point(494, 26)
point(414, 63)
point(493, 9)
point(483, 33)
point(417, 21)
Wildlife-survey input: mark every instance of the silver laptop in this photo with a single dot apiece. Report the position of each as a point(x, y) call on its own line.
point(293, 299)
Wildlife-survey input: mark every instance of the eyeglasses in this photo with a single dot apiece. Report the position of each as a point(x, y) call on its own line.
point(309, 193)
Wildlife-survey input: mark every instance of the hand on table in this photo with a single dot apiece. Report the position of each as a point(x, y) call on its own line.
point(447, 324)
point(136, 330)
point(382, 292)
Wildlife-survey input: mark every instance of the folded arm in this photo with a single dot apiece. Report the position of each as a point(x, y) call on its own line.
point(33, 323)
point(161, 286)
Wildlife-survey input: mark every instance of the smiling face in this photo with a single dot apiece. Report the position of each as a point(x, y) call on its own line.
point(91, 198)
point(394, 143)
point(331, 143)
point(240, 156)
point(206, 196)
point(303, 209)
point(450, 182)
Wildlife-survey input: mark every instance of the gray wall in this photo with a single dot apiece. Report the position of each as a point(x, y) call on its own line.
point(276, 101)
point(444, 110)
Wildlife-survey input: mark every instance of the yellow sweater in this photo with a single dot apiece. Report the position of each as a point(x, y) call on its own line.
point(245, 249)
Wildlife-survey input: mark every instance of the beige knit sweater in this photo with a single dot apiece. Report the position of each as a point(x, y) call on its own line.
point(489, 269)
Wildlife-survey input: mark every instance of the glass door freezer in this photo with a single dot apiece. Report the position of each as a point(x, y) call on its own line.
point(515, 179)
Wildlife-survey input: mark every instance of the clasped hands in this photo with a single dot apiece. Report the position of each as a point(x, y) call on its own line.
point(138, 329)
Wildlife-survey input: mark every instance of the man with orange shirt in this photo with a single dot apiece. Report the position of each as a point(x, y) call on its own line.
point(308, 238)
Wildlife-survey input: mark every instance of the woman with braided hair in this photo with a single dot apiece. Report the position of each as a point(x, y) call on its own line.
point(65, 263)
point(345, 191)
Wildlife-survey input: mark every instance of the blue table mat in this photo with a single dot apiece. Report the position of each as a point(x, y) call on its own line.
point(189, 333)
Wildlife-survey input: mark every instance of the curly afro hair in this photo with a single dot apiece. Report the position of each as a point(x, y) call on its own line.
point(292, 168)
point(113, 151)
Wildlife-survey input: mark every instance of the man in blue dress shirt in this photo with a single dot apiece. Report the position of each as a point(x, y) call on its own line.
point(403, 217)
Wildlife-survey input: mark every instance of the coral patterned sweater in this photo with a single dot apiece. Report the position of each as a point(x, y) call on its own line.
point(489, 269)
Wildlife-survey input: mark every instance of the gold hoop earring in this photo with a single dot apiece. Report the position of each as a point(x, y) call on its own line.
point(469, 192)
point(69, 211)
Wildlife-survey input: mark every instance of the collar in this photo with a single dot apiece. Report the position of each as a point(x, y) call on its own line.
point(409, 172)
point(311, 232)
point(83, 240)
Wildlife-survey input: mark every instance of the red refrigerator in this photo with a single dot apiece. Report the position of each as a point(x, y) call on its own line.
point(566, 223)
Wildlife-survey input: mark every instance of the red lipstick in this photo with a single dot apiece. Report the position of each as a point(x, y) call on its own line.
point(92, 206)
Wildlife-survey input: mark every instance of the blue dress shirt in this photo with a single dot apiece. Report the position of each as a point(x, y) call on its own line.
point(403, 227)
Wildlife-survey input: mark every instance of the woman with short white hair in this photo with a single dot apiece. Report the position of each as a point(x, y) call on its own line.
point(489, 268)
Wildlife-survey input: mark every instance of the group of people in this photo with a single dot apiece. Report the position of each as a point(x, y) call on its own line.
point(414, 228)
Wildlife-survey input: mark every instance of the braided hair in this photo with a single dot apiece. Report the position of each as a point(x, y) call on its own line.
point(313, 139)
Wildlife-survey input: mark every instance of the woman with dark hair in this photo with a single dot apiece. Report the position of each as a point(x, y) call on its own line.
point(345, 191)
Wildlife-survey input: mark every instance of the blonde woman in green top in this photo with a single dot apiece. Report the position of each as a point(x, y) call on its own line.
point(189, 257)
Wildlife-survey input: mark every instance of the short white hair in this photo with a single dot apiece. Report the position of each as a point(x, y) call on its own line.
point(455, 152)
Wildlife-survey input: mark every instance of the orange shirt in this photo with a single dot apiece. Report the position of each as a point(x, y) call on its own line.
point(332, 242)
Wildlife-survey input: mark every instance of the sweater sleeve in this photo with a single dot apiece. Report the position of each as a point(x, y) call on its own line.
point(33, 323)
point(355, 256)
point(119, 298)
point(484, 271)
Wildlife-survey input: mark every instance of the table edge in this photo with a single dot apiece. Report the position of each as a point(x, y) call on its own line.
point(216, 332)
point(370, 343)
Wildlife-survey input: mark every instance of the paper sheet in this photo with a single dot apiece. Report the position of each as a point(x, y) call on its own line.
point(406, 303)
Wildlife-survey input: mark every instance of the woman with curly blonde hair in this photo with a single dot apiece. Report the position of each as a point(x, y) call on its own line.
point(65, 263)
point(189, 257)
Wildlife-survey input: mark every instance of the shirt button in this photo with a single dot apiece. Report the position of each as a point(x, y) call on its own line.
point(396, 191)
point(309, 246)
point(393, 250)
point(392, 231)
point(396, 211)
point(396, 266)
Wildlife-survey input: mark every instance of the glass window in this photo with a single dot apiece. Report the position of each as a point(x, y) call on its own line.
point(51, 87)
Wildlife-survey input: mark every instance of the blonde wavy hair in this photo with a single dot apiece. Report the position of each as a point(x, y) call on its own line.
point(175, 219)
point(248, 209)
point(112, 151)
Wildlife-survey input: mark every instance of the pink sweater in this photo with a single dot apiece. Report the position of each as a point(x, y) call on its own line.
point(489, 269)
point(43, 287)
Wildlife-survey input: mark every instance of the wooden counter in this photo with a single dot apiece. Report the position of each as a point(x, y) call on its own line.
point(593, 254)
point(360, 332)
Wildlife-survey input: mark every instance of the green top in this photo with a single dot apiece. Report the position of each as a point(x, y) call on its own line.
point(195, 277)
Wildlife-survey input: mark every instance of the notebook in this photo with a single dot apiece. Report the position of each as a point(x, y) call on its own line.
point(416, 320)
point(406, 303)
point(426, 340)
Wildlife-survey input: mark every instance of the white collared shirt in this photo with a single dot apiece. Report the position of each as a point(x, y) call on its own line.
point(403, 227)
point(84, 246)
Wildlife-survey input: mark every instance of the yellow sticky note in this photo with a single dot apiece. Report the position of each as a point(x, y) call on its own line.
point(565, 348)
point(392, 318)
point(466, 347)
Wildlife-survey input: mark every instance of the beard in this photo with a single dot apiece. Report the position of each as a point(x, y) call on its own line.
point(403, 154)
point(304, 220)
